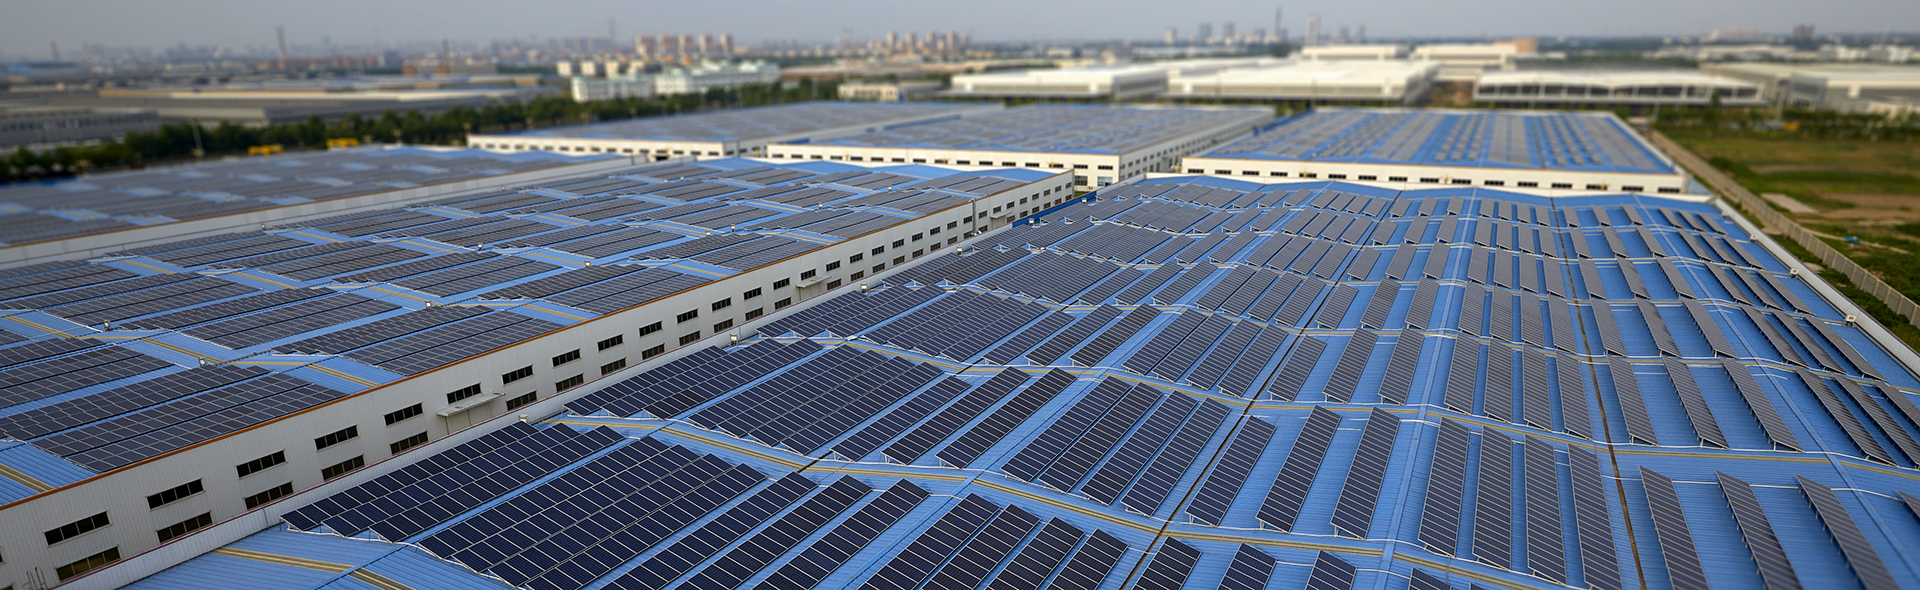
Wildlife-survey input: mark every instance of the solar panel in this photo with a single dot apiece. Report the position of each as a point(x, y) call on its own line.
point(717, 534)
point(757, 551)
point(1861, 556)
point(1052, 349)
point(1096, 558)
point(982, 437)
point(1545, 554)
point(1493, 501)
point(1421, 580)
point(1292, 378)
point(1498, 400)
point(1061, 432)
point(1354, 512)
point(845, 540)
point(1670, 525)
point(1695, 404)
point(1599, 566)
point(1331, 573)
point(1103, 345)
point(1351, 367)
point(1087, 450)
point(1249, 570)
point(1775, 571)
point(1335, 307)
point(1217, 491)
point(1289, 491)
point(1170, 567)
point(1152, 487)
point(1881, 417)
point(931, 548)
point(1446, 484)
point(1380, 305)
point(1035, 562)
point(1398, 380)
point(985, 551)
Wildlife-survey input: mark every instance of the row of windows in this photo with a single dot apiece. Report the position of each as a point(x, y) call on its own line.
point(183, 527)
point(1436, 180)
point(338, 469)
point(88, 563)
point(77, 528)
point(343, 435)
point(175, 494)
point(261, 464)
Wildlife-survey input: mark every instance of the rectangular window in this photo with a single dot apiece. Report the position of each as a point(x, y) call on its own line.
point(852, 277)
point(1563, 185)
point(515, 403)
point(879, 267)
point(343, 435)
point(653, 352)
point(568, 357)
point(807, 274)
point(722, 326)
point(856, 258)
point(782, 283)
point(1429, 179)
point(1396, 179)
point(750, 295)
point(77, 528)
point(613, 366)
point(612, 342)
point(899, 260)
point(953, 224)
point(686, 316)
point(878, 250)
point(918, 237)
point(723, 304)
point(402, 414)
point(1368, 177)
point(933, 232)
point(756, 313)
point(88, 564)
point(569, 383)
point(464, 393)
point(261, 464)
point(407, 443)
point(783, 303)
point(254, 501)
point(649, 328)
point(185, 526)
point(832, 266)
point(690, 338)
point(517, 374)
point(833, 284)
point(341, 468)
point(175, 494)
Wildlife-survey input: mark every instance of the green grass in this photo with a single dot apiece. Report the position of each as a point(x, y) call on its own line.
point(1894, 322)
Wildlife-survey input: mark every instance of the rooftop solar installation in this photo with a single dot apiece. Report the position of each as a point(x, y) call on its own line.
point(1051, 128)
point(121, 200)
point(1490, 139)
point(755, 123)
point(1041, 411)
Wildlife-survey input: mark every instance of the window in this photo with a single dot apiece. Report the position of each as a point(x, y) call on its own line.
point(649, 328)
point(88, 564)
point(516, 375)
point(1563, 185)
point(464, 393)
point(782, 283)
point(1080, 166)
point(755, 313)
point(899, 243)
point(1257, 173)
point(407, 443)
point(963, 162)
point(254, 501)
point(856, 258)
point(750, 295)
point(689, 338)
point(612, 342)
point(1463, 181)
point(1596, 187)
point(933, 232)
point(1631, 188)
point(1105, 167)
point(185, 526)
point(402, 414)
point(343, 435)
point(1429, 180)
point(723, 304)
point(1494, 182)
point(899, 260)
point(722, 326)
point(515, 403)
point(783, 303)
point(807, 274)
point(918, 237)
point(1527, 184)
point(175, 494)
point(613, 366)
point(261, 464)
point(569, 383)
point(653, 352)
point(568, 357)
point(832, 266)
point(688, 315)
point(877, 251)
point(341, 468)
point(852, 277)
point(879, 267)
point(1396, 179)
point(1368, 177)
point(953, 224)
point(77, 528)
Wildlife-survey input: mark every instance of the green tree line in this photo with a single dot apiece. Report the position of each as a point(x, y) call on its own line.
point(176, 142)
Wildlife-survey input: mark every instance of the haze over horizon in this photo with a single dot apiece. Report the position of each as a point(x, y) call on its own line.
point(30, 26)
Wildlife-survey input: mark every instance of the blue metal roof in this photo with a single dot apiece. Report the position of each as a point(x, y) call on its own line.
point(1083, 129)
point(756, 122)
point(1550, 140)
point(1244, 385)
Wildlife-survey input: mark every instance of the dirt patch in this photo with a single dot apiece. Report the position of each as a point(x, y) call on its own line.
point(1875, 201)
point(1871, 217)
point(1775, 168)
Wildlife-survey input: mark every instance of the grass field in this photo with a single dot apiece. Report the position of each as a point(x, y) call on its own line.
point(1858, 188)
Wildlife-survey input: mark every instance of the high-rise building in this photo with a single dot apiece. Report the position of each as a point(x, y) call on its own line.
point(1344, 38)
point(1313, 30)
point(1173, 35)
point(1204, 34)
point(1363, 34)
point(1226, 31)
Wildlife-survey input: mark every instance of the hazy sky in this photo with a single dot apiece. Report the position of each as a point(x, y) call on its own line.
point(26, 26)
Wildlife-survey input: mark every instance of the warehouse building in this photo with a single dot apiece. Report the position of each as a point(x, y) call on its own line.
point(1106, 82)
point(1464, 62)
point(41, 128)
point(97, 214)
point(259, 104)
point(1100, 144)
point(1194, 382)
point(1528, 150)
point(157, 390)
point(1838, 86)
point(1311, 82)
point(724, 133)
point(1610, 89)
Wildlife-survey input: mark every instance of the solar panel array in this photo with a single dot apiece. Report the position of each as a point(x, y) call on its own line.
point(116, 201)
point(1503, 139)
point(1351, 397)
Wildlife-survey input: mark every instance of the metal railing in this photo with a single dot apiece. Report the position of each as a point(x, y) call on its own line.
point(1774, 222)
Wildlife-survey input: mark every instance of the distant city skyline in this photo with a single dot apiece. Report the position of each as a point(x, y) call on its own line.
point(31, 26)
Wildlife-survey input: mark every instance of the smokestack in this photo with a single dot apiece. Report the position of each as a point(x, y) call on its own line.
point(56, 49)
point(281, 31)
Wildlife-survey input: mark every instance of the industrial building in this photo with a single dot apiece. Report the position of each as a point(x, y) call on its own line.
point(890, 91)
point(101, 213)
point(1530, 150)
point(1857, 88)
point(633, 83)
point(1466, 62)
point(1609, 89)
point(154, 391)
point(1190, 382)
point(1359, 52)
point(1311, 82)
point(293, 101)
point(41, 127)
point(1100, 144)
point(724, 133)
point(1101, 82)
